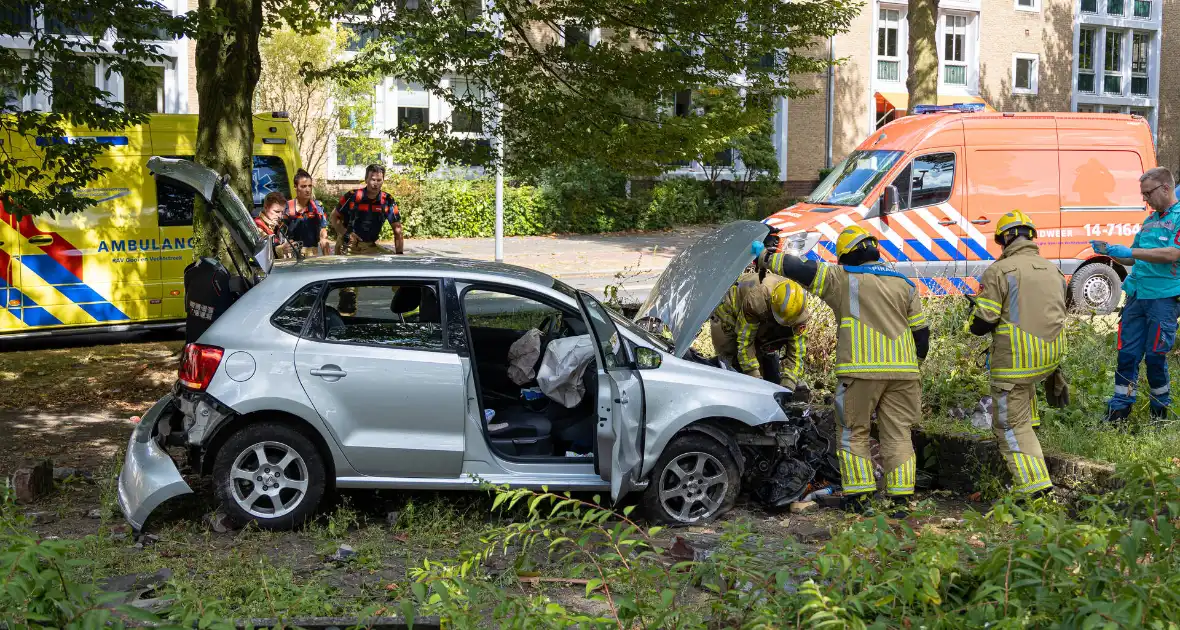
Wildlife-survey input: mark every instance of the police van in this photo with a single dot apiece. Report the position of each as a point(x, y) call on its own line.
point(119, 265)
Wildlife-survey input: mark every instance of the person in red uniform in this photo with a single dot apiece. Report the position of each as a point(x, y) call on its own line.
point(268, 221)
point(359, 218)
point(363, 211)
point(307, 224)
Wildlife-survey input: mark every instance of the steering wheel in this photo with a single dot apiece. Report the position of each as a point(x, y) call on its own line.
point(552, 325)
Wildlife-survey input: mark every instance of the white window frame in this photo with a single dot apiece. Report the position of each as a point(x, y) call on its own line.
point(901, 27)
point(1035, 7)
point(970, 61)
point(1150, 10)
point(1104, 9)
point(1034, 71)
point(1122, 71)
point(1094, 61)
point(594, 33)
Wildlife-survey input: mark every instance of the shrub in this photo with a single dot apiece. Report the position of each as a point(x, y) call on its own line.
point(1113, 566)
point(676, 201)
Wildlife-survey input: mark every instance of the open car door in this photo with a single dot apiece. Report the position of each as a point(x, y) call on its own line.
point(618, 452)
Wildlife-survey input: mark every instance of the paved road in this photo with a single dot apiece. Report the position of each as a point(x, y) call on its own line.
point(588, 262)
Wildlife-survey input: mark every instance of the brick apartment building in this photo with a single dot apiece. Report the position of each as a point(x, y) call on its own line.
point(1015, 55)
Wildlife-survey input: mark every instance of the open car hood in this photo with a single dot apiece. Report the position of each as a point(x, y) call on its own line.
point(697, 278)
point(227, 208)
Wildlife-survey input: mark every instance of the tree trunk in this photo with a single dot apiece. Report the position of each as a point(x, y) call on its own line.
point(922, 82)
point(228, 67)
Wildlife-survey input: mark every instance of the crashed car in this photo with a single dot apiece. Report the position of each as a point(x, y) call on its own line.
point(391, 372)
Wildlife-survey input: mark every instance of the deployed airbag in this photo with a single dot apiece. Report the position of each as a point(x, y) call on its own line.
point(565, 361)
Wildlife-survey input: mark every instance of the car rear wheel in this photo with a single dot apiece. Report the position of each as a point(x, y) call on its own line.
point(1095, 288)
point(269, 474)
point(695, 481)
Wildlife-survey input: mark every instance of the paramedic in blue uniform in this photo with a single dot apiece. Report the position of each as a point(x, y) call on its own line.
point(1147, 329)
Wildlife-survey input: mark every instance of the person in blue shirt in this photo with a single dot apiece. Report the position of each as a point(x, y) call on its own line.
point(1147, 329)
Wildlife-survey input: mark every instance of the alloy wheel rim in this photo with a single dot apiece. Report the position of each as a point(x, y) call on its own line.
point(693, 487)
point(268, 480)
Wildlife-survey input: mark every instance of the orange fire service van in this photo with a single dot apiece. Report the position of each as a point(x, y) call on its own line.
point(931, 186)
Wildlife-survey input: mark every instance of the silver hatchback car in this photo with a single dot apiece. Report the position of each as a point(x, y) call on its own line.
point(403, 372)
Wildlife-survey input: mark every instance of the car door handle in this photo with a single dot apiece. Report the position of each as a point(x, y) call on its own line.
point(329, 371)
point(980, 221)
point(948, 222)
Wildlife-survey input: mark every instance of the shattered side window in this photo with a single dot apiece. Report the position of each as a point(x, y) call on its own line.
point(293, 315)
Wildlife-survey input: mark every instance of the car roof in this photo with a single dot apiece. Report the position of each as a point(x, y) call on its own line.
point(415, 265)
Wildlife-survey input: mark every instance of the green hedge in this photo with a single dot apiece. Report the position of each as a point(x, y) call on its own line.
point(466, 208)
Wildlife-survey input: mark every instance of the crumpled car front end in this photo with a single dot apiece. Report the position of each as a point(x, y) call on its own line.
point(149, 476)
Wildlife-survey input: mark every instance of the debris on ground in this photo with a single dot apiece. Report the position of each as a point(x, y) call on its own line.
point(683, 550)
point(343, 554)
point(95, 514)
point(391, 518)
point(40, 518)
point(800, 507)
point(220, 522)
point(64, 473)
point(33, 482)
point(136, 586)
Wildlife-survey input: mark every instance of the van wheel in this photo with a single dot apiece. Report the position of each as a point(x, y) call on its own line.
point(694, 481)
point(1095, 288)
point(269, 474)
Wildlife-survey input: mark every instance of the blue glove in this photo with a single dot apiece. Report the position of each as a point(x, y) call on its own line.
point(1118, 251)
point(1099, 247)
point(757, 248)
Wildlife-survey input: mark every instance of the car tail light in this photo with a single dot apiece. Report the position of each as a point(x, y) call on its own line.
point(198, 365)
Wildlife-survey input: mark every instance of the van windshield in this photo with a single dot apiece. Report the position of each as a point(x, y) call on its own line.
point(852, 179)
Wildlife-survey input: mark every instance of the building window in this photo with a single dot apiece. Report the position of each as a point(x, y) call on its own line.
point(1142, 9)
point(466, 120)
point(1086, 61)
point(888, 60)
point(412, 117)
point(575, 35)
point(359, 36)
point(1024, 74)
point(73, 25)
point(1139, 78)
point(70, 80)
point(1028, 5)
point(17, 16)
point(682, 103)
point(1115, 7)
point(954, 53)
point(1141, 112)
point(145, 95)
point(1086, 108)
point(1089, 6)
point(1112, 81)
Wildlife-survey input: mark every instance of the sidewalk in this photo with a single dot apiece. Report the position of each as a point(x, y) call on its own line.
point(588, 262)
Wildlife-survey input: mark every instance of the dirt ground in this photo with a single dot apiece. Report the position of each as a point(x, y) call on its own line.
point(73, 403)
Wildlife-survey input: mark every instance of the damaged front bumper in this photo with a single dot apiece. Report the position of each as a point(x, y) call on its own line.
point(149, 475)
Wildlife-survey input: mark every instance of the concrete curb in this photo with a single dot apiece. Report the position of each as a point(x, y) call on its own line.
point(955, 461)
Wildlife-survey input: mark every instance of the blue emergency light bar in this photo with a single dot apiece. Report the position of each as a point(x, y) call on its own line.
point(957, 107)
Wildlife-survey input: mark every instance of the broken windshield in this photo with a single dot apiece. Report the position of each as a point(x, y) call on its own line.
point(850, 182)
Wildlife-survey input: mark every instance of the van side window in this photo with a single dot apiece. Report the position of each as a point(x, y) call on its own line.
point(270, 175)
point(174, 205)
point(926, 181)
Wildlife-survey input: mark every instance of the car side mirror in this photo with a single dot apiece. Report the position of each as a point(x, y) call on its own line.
point(889, 201)
point(647, 359)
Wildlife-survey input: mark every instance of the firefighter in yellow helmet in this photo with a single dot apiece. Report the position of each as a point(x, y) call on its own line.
point(882, 336)
point(756, 318)
point(1022, 304)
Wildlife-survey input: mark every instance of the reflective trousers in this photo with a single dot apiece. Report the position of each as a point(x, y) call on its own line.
point(898, 405)
point(1147, 331)
point(1012, 410)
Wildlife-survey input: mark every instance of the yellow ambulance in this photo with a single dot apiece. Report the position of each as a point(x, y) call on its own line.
point(120, 264)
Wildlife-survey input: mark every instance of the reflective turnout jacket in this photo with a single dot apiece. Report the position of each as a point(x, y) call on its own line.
point(1024, 294)
point(877, 311)
point(745, 312)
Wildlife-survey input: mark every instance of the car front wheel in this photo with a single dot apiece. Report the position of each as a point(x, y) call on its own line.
point(695, 481)
point(270, 474)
